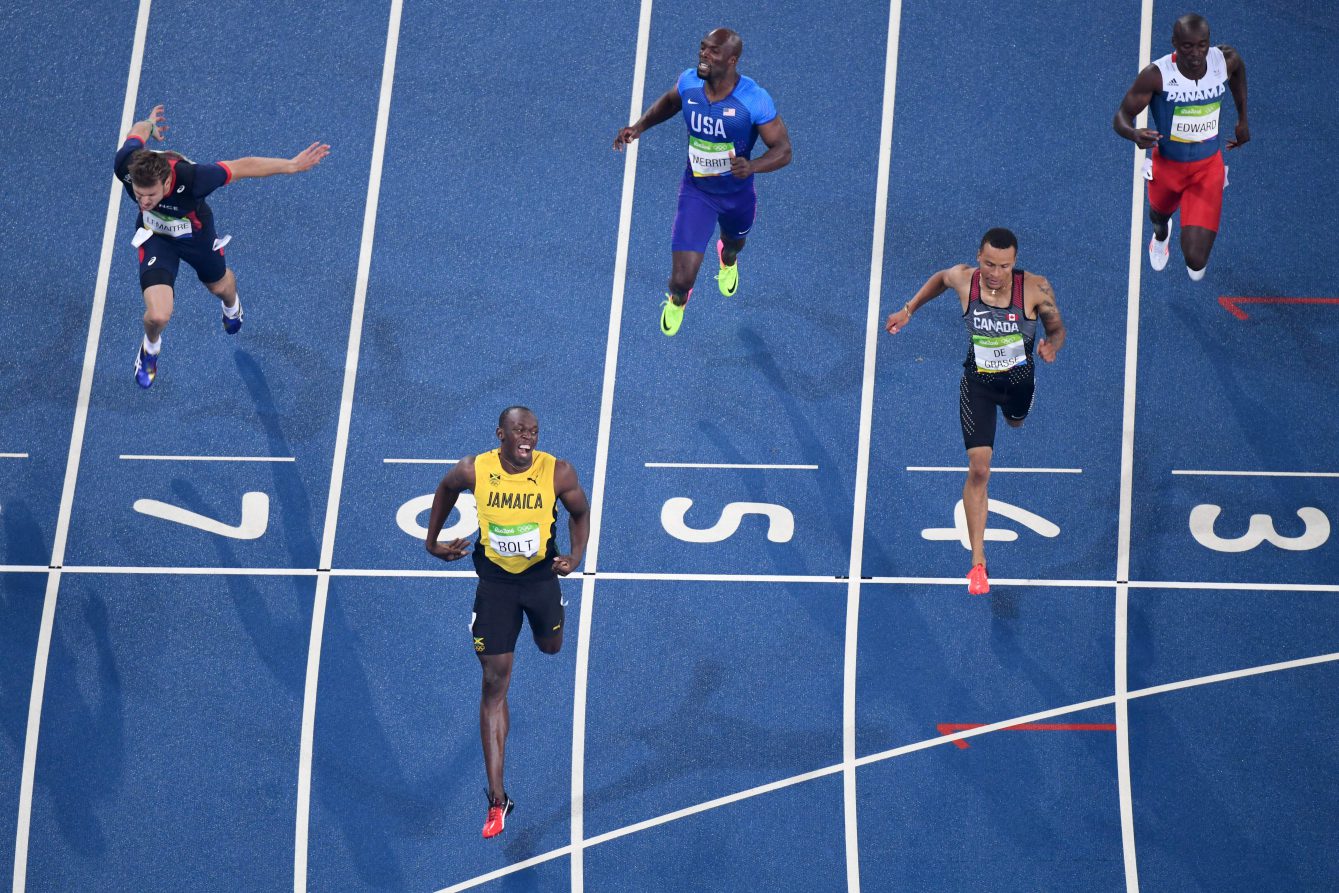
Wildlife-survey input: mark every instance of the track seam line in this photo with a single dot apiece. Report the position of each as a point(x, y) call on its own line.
point(302, 827)
point(24, 819)
point(588, 578)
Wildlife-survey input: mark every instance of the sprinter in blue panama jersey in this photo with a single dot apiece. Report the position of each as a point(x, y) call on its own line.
point(725, 113)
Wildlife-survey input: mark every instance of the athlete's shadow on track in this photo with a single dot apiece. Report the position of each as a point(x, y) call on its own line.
point(23, 535)
point(364, 781)
point(1264, 418)
point(726, 741)
point(291, 492)
point(796, 389)
point(89, 776)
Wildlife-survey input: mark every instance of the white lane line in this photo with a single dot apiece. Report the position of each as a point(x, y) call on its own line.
point(509, 869)
point(731, 465)
point(420, 461)
point(963, 469)
point(146, 458)
point(196, 571)
point(892, 753)
point(1236, 674)
point(1235, 587)
point(1121, 702)
point(303, 818)
point(850, 807)
point(683, 578)
point(578, 828)
point(957, 581)
point(13, 455)
point(1120, 668)
point(72, 465)
point(1258, 474)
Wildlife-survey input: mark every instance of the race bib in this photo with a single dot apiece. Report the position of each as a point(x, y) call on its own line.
point(709, 159)
point(173, 227)
point(998, 353)
point(516, 540)
point(1195, 123)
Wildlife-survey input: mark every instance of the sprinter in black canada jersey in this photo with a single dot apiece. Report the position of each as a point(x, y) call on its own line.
point(1001, 306)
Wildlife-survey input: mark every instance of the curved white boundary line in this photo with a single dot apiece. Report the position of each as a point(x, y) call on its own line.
point(890, 754)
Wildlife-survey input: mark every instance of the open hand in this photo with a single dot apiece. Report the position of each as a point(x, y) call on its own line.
point(157, 123)
point(450, 551)
point(309, 157)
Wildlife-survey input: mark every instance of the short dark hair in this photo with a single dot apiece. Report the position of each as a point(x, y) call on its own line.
point(999, 237)
point(502, 419)
point(1191, 22)
point(148, 168)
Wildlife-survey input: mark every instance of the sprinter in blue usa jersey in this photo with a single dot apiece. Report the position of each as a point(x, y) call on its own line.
point(725, 113)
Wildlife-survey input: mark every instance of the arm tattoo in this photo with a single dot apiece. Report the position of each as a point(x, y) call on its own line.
point(1046, 309)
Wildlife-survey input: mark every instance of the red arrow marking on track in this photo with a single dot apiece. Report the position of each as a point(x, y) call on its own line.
point(948, 728)
point(1230, 303)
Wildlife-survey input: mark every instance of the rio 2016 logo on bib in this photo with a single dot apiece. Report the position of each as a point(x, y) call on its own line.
point(1195, 123)
point(516, 539)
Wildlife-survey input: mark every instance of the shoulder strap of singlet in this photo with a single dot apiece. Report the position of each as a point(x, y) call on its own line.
point(1017, 300)
point(974, 292)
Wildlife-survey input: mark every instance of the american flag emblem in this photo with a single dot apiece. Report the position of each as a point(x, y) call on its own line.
point(1013, 317)
point(729, 113)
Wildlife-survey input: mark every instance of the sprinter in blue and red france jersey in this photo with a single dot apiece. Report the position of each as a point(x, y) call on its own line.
point(176, 224)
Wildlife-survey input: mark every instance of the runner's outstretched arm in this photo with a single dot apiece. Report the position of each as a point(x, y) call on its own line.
point(308, 158)
point(935, 286)
point(664, 108)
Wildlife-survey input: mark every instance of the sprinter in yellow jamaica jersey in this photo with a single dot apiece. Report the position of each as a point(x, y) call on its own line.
point(516, 488)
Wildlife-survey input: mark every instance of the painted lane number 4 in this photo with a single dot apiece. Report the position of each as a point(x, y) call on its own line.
point(1034, 522)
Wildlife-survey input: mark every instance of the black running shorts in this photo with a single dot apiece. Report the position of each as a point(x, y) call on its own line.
point(981, 392)
point(499, 605)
